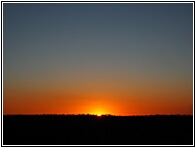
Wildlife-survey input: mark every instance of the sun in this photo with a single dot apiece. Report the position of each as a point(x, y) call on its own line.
point(99, 115)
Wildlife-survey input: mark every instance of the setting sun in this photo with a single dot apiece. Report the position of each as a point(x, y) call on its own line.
point(99, 115)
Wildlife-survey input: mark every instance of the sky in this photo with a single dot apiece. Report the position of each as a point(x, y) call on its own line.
point(98, 58)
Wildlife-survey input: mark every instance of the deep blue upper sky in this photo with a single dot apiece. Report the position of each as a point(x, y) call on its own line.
point(139, 35)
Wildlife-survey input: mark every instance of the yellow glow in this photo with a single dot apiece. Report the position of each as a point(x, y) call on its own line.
point(99, 106)
point(99, 115)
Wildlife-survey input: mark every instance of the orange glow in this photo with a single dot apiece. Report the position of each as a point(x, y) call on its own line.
point(20, 101)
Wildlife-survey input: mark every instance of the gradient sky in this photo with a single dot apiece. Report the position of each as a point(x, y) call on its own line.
point(122, 59)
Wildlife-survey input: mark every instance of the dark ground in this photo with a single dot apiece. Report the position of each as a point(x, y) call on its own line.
point(93, 130)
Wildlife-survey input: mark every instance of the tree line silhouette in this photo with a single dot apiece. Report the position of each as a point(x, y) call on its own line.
point(88, 129)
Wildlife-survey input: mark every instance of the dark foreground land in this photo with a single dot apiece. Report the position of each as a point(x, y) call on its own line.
point(93, 130)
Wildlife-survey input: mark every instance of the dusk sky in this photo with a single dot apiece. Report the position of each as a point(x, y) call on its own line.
point(98, 58)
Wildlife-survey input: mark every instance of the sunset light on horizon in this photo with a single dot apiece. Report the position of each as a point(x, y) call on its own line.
point(98, 58)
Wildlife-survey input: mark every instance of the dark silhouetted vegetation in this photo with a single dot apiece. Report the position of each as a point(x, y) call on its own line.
point(93, 130)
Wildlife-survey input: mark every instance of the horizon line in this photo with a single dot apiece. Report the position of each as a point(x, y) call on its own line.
point(97, 114)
